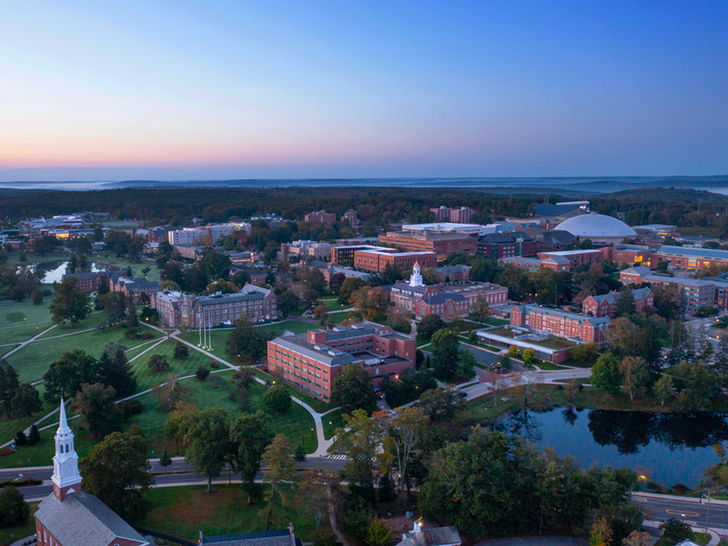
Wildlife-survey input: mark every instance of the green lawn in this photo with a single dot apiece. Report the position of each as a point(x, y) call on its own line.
point(35, 258)
point(185, 511)
point(332, 421)
point(318, 405)
point(13, 313)
point(23, 332)
point(297, 424)
point(109, 258)
point(295, 326)
point(10, 427)
point(95, 319)
point(33, 360)
point(8, 536)
point(332, 304)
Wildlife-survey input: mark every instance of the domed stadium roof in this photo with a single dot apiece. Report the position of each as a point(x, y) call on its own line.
point(596, 225)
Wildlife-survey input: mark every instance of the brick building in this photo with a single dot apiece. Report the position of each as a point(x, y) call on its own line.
point(70, 517)
point(344, 254)
point(449, 301)
point(561, 323)
point(205, 234)
point(697, 292)
point(89, 282)
point(631, 254)
point(506, 245)
point(321, 217)
point(140, 290)
point(441, 243)
point(312, 360)
point(176, 309)
point(576, 258)
point(689, 259)
point(377, 260)
point(305, 249)
point(605, 305)
point(461, 215)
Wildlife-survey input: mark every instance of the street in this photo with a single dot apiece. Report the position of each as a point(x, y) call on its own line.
point(664, 507)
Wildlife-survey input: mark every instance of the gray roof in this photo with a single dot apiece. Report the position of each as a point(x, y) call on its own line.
point(84, 520)
point(435, 536)
point(594, 321)
point(248, 292)
point(443, 298)
point(551, 237)
point(608, 297)
point(454, 269)
point(496, 238)
point(281, 537)
point(707, 253)
point(682, 281)
point(637, 270)
point(554, 210)
point(557, 260)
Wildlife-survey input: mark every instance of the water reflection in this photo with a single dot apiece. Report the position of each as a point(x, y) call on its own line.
point(675, 447)
point(53, 271)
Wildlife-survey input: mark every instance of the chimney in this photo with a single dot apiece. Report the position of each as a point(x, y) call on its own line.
point(418, 526)
point(200, 538)
point(290, 527)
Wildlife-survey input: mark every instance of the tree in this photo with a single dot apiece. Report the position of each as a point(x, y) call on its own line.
point(245, 342)
point(250, 435)
point(181, 351)
point(243, 377)
point(118, 473)
point(95, 404)
point(278, 456)
point(480, 310)
point(131, 323)
point(335, 282)
point(33, 434)
point(378, 534)
point(429, 325)
point(352, 389)
point(8, 386)
point(20, 438)
point(165, 460)
point(528, 356)
point(441, 404)
point(605, 374)
point(391, 273)
point(68, 373)
point(402, 436)
point(14, 511)
point(158, 363)
point(584, 353)
point(37, 297)
point(625, 303)
point(663, 388)
point(115, 370)
point(69, 303)
point(348, 287)
point(600, 533)
point(208, 443)
point(637, 538)
point(312, 497)
point(288, 303)
point(359, 440)
point(300, 454)
point(202, 373)
point(26, 401)
point(172, 392)
point(635, 376)
point(277, 399)
point(445, 345)
point(675, 531)
point(466, 366)
point(180, 421)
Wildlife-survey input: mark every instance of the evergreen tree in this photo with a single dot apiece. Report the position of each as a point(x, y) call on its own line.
point(165, 460)
point(115, 370)
point(26, 401)
point(8, 386)
point(33, 435)
point(20, 438)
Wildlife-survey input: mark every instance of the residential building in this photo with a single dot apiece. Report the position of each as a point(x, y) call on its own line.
point(278, 537)
point(683, 258)
point(205, 235)
point(576, 258)
point(352, 218)
point(312, 360)
point(605, 305)
point(454, 273)
point(449, 301)
point(89, 282)
point(344, 254)
point(461, 215)
point(506, 245)
point(178, 309)
point(140, 290)
point(377, 260)
point(441, 243)
point(321, 217)
point(698, 292)
point(562, 324)
point(532, 265)
point(70, 517)
point(305, 249)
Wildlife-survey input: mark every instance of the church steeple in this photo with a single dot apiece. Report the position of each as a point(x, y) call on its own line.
point(66, 478)
point(416, 277)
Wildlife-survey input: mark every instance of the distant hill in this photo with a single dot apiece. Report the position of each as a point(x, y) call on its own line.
point(666, 194)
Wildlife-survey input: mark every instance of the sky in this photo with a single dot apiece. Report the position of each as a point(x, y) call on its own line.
point(179, 90)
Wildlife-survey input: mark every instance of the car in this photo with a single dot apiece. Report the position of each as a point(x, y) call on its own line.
point(463, 394)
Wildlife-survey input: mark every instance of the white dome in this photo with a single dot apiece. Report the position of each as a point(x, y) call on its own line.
point(596, 225)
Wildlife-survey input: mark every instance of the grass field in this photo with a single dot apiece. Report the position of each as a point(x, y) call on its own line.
point(332, 304)
point(295, 326)
point(331, 422)
point(318, 405)
point(33, 360)
point(19, 321)
point(185, 511)
point(10, 427)
point(297, 424)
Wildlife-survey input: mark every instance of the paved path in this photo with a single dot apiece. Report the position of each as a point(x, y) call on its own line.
point(31, 340)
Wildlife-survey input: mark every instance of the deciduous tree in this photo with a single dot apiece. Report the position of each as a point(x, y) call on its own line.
point(250, 435)
point(69, 302)
point(352, 389)
point(208, 443)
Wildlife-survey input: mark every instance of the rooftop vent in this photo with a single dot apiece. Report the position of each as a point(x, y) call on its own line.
point(339, 329)
point(335, 352)
point(357, 326)
point(320, 347)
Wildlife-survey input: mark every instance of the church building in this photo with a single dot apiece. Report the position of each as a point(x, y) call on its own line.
point(69, 517)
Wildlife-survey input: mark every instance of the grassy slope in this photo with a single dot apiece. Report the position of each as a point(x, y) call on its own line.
point(185, 511)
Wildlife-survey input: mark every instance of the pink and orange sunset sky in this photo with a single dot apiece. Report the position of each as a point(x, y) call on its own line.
point(279, 89)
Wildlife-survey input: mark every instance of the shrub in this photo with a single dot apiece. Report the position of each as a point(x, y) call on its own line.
point(158, 363)
point(20, 438)
point(33, 435)
point(202, 373)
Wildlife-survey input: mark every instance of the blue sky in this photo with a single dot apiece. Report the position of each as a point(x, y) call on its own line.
point(274, 89)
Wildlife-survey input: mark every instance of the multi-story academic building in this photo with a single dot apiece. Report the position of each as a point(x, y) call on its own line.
point(562, 323)
point(377, 260)
point(605, 305)
point(441, 243)
point(176, 309)
point(312, 360)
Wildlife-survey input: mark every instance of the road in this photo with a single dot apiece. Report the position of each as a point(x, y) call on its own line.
point(664, 507)
point(178, 473)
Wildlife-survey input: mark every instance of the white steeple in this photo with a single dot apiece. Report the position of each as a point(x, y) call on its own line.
point(416, 277)
point(66, 478)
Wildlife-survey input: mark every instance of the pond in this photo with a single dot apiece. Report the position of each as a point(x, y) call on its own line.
point(668, 448)
point(54, 271)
